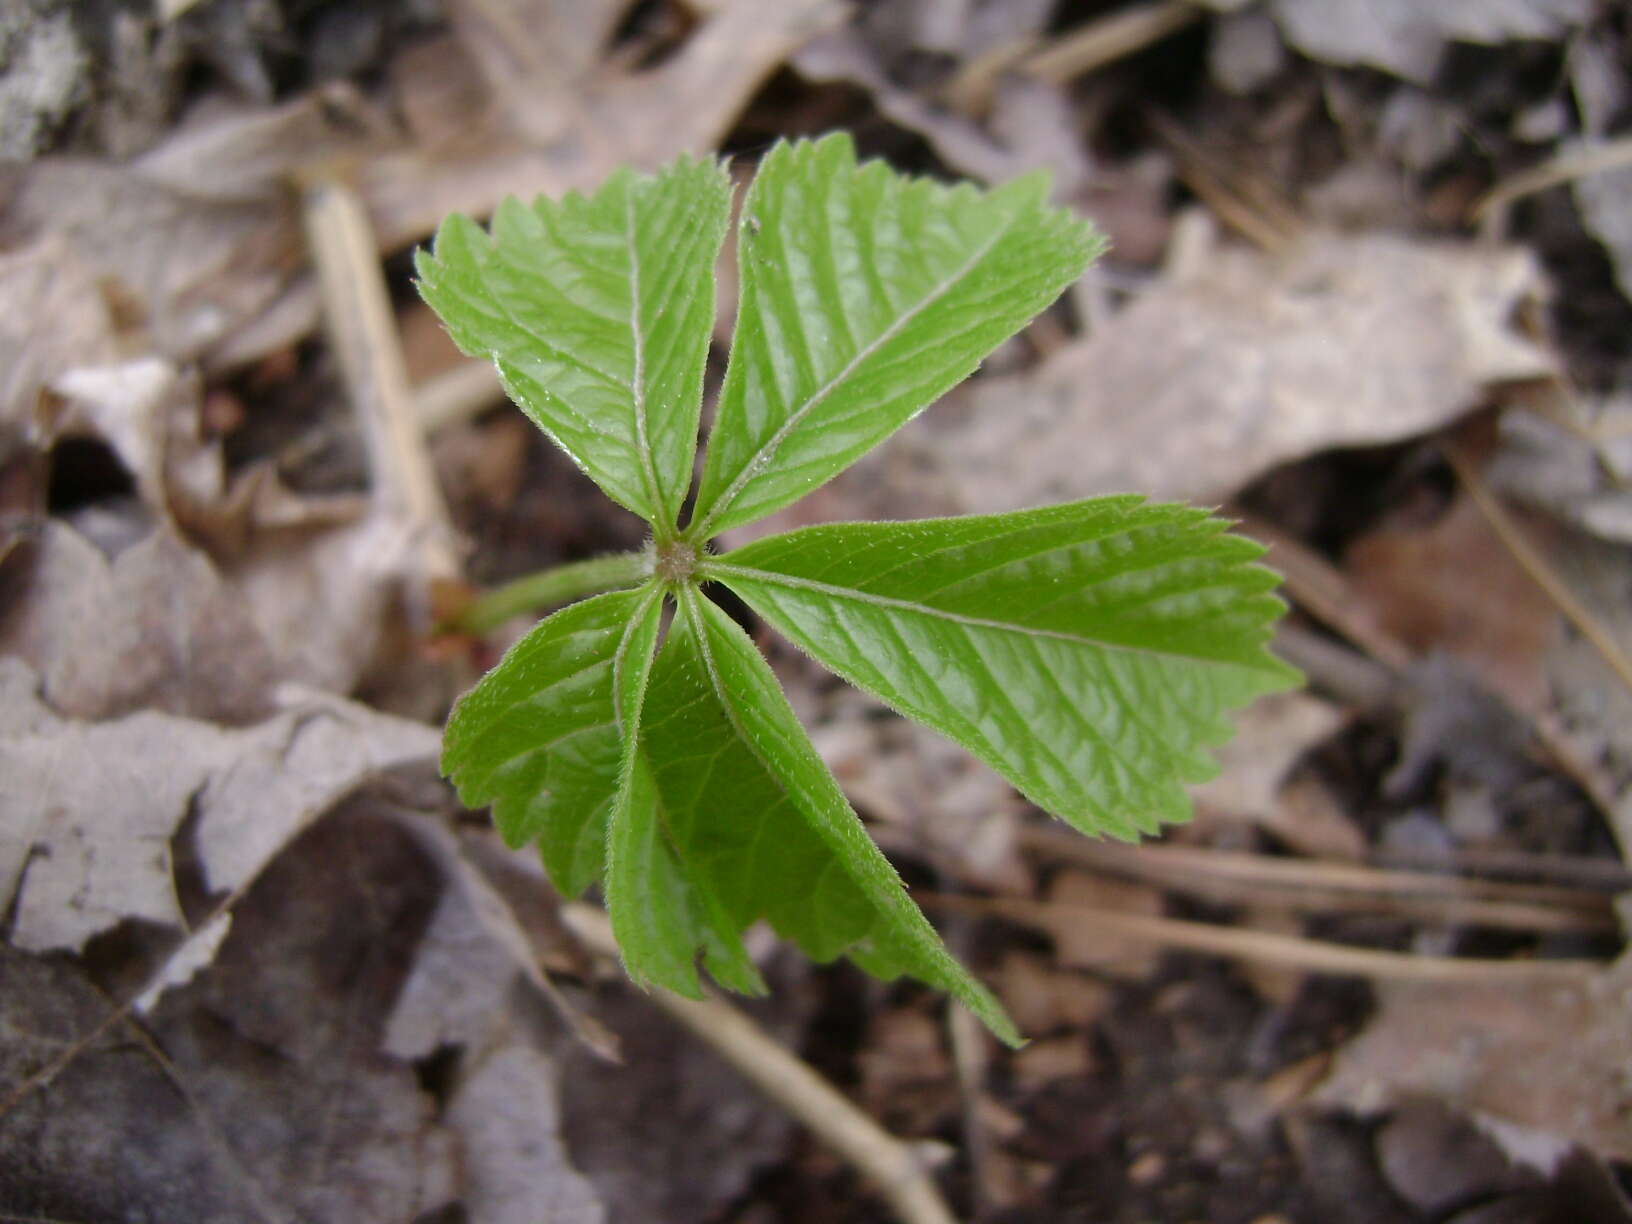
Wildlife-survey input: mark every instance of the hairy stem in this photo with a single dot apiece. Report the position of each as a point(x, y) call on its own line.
point(557, 585)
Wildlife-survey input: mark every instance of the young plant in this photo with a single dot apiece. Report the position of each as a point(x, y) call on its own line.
point(1088, 652)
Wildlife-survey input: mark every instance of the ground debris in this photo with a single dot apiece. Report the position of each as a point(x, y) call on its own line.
point(1547, 1058)
point(303, 987)
point(92, 808)
point(1407, 38)
point(1202, 384)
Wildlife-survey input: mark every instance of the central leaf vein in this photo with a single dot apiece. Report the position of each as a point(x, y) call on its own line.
point(767, 449)
point(637, 379)
point(725, 571)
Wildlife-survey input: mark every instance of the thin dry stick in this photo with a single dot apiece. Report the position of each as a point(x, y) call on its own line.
point(1312, 898)
point(890, 1164)
point(1534, 564)
point(1578, 870)
point(1254, 211)
point(1354, 678)
point(1263, 871)
point(1566, 167)
point(1108, 39)
point(72, 1051)
point(1262, 947)
point(363, 328)
point(969, 1052)
point(970, 89)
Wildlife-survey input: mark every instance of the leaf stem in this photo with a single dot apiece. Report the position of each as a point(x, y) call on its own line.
point(557, 585)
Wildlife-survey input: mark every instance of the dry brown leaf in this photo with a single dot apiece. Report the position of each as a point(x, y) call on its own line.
point(1031, 126)
point(158, 625)
point(91, 808)
point(155, 626)
point(200, 239)
point(1309, 818)
point(1416, 582)
point(1436, 1159)
point(1203, 384)
point(221, 1131)
point(504, 1104)
point(192, 255)
point(1548, 1057)
point(965, 29)
point(322, 598)
point(535, 55)
point(48, 72)
point(461, 979)
point(146, 411)
point(516, 1168)
point(88, 814)
point(453, 983)
point(1245, 51)
point(1271, 736)
point(1043, 1062)
point(1597, 80)
point(1407, 37)
point(1580, 472)
point(186, 960)
point(151, 415)
point(59, 318)
point(1042, 997)
point(1078, 941)
point(686, 103)
point(1595, 703)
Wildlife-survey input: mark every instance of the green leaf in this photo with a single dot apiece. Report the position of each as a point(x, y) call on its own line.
point(1088, 652)
point(759, 823)
point(660, 915)
point(539, 739)
point(597, 311)
point(865, 296)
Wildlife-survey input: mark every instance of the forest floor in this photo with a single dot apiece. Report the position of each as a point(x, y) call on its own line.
point(1369, 290)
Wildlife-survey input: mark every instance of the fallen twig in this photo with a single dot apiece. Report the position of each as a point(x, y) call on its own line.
point(363, 329)
point(1263, 871)
point(1576, 163)
point(1254, 210)
point(1313, 886)
point(1262, 947)
point(1106, 39)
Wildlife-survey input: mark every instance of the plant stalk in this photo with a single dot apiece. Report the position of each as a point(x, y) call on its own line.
point(557, 585)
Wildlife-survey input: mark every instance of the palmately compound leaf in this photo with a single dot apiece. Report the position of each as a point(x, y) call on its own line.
point(539, 737)
point(597, 311)
point(865, 296)
point(760, 822)
point(1089, 652)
